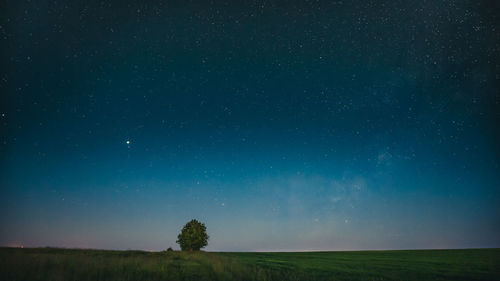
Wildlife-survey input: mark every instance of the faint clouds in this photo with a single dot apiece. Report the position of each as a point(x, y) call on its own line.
point(335, 199)
point(384, 158)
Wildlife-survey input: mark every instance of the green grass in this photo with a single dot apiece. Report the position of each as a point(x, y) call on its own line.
point(67, 264)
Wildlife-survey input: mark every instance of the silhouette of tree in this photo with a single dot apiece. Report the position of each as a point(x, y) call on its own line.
point(193, 236)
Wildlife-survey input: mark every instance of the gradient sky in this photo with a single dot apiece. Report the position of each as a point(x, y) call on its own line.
point(283, 125)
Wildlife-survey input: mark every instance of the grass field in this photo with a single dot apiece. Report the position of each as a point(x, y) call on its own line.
point(66, 264)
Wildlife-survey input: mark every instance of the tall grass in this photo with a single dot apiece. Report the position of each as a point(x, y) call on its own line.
point(68, 264)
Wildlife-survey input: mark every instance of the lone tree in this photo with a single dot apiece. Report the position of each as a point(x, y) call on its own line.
point(193, 236)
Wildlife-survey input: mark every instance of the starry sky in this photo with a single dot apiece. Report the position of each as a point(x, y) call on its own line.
point(282, 125)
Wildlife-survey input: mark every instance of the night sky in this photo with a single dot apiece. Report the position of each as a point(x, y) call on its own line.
point(283, 125)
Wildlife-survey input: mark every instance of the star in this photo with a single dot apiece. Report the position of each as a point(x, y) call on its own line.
point(127, 142)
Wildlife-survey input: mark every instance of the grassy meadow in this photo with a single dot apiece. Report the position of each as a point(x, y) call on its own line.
point(68, 264)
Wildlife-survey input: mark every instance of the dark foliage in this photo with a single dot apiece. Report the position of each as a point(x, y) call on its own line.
point(193, 236)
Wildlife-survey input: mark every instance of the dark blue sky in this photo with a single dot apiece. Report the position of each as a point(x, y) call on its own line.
point(311, 125)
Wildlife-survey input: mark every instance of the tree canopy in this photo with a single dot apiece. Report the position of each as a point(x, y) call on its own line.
point(193, 236)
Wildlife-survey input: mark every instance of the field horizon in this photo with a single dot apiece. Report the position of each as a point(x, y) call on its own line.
point(91, 264)
point(250, 251)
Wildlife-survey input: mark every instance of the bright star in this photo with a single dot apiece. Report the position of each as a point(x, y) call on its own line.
point(127, 142)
